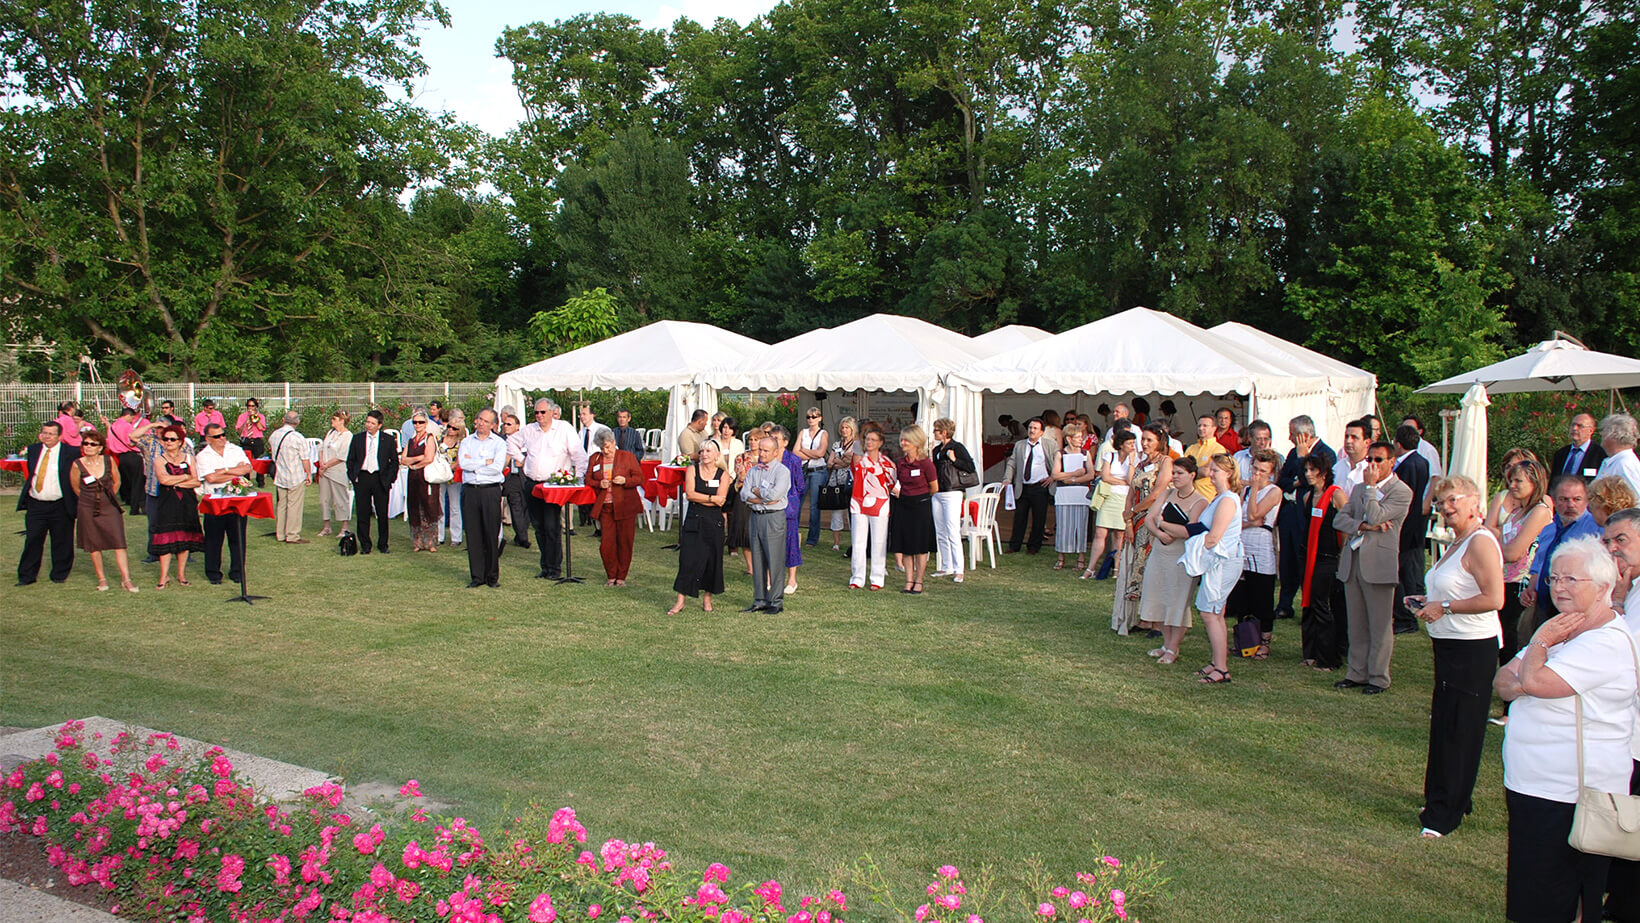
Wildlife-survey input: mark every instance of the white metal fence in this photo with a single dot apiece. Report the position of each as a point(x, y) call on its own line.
point(23, 406)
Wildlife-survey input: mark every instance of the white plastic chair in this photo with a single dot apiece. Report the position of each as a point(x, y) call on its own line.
point(652, 442)
point(653, 511)
point(981, 531)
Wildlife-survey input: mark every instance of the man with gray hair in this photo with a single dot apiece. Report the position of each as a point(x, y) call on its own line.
point(1622, 539)
point(542, 449)
point(1293, 522)
point(290, 479)
point(765, 491)
point(1618, 435)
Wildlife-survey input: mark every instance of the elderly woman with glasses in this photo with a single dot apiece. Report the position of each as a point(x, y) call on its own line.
point(1463, 593)
point(1573, 684)
point(421, 498)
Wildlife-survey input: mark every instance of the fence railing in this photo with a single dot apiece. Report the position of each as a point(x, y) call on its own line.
point(24, 406)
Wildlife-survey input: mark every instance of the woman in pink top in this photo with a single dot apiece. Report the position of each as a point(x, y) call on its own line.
point(252, 427)
point(69, 422)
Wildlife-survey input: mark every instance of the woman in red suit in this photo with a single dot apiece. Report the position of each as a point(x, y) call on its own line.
point(616, 476)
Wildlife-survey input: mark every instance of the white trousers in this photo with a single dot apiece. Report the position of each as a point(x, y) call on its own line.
point(869, 531)
point(948, 529)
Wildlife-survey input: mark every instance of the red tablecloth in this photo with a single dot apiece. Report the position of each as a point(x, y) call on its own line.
point(973, 512)
point(994, 453)
point(649, 465)
point(567, 494)
point(256, 506)
point(262, 465)
point(670, 476)
point(18, 465)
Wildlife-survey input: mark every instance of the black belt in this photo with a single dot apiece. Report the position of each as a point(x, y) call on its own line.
point(476, 486)
point(755, 510)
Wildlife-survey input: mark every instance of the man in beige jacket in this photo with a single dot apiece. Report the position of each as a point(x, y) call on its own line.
point(1369, 566)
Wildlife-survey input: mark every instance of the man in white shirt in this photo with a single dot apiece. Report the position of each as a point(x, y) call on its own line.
point(219, 462)
point(540, 450)
point(1258, 432)
point(1618, 435)
point(47, 503)
point(290, 479)
point(483, 459)
point(1351, 467)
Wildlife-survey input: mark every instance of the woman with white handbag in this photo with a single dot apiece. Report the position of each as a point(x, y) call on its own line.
point(1573, 684)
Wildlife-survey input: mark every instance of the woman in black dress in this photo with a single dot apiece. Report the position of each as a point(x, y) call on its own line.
point(421, 498)
point(1323, 630)
point(700, 547)
point(175, 530)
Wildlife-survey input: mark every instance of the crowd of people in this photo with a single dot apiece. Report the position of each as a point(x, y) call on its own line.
point(1534, 595)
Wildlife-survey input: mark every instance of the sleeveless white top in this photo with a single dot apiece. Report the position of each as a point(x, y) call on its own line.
point(1448, 580)
point(810, 442)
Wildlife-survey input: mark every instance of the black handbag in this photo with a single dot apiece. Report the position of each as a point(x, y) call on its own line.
point(952, 477)
point(835, 496)
point(1248, 638)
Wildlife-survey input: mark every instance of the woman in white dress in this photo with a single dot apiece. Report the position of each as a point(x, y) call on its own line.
point(1220, 561)
point(1071, 474)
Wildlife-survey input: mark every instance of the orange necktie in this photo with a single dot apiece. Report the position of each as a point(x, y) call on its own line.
point(40, 474)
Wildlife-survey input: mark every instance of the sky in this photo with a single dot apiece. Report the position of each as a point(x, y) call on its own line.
point(465, 77)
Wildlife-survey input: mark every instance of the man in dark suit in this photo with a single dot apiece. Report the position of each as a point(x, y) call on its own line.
point(372, 466)
point(1029, 468)
point(1413, 470)
point(1584, 455)
point(1293, 522)
point(47, 502)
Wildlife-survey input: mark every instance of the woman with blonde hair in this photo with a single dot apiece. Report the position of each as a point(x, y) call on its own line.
point(811, 447)
point(912, 510)
point(1071, 474)
point(1607, 495)
point(1462, 594)
point(840, 473)
point(421, 498)
point(1221, 561)
point(335, 493)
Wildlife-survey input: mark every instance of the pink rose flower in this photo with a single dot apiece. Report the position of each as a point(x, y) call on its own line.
point(410, 789)
point(541, 909)
point(948, 872)
point(1045, 909)
point(949, 901)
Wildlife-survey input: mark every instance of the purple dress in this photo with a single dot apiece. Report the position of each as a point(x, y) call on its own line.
point(794, 508)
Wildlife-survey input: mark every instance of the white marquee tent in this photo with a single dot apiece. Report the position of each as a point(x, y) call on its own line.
point(883, 352)
point(667, 356)
point(1141, 351)
point(1012, 336)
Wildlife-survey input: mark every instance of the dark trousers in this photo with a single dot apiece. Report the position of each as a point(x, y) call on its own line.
point(1033, 502)
point(1409, 582)
point(150, 507)
point(370, 499)
point(1294, 541)
point(513, 489)
point(481, 519)
point(548, 520)
point(1457, 728)
point(1623, 880)
point(1323, 628)
point(133, 486)
point(1547, 878)
point(43, 519)
point(1253, 597)
point(217, 528)
point(253, 448)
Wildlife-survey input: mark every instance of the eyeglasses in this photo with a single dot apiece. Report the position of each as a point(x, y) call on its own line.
point(218, 436)
point(1557, 579)
point(814, 416)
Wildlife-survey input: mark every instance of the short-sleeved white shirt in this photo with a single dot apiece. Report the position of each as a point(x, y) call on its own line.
point(1540, 743)
point(209, 461)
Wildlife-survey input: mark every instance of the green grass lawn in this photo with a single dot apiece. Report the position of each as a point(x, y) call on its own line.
point(976, 724)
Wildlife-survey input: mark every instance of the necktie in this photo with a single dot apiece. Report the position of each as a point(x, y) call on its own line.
point(1574, 459)
point(45, 466)
point(1029, 451)
point(586, 440)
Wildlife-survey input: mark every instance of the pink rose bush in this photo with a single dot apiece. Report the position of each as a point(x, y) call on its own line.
point(174, 836)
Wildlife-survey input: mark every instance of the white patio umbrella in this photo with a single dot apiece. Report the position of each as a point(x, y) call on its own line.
point(1561, 364)
point(1469, 445)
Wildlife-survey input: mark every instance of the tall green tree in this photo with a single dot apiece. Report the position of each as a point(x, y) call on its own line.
point(211, 187)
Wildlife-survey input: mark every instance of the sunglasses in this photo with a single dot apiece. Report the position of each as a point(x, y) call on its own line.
point(542, 413)
point(218, 436)
point(170, 439)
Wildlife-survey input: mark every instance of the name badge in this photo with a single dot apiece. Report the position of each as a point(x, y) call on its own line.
point(914, 473)
point(1316, 512)
point(88, 479)
point(712, 483)
point(1590, 472)
point(597, 468)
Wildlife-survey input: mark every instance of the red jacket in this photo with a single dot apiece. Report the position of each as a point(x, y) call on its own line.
point(628, 502)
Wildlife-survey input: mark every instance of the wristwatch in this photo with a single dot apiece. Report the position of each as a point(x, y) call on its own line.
point(1446, 607)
